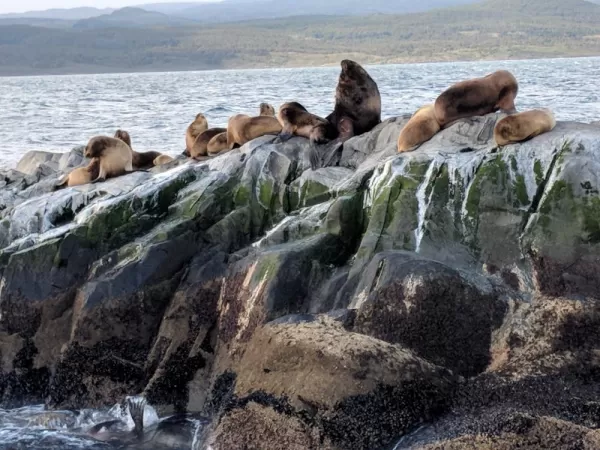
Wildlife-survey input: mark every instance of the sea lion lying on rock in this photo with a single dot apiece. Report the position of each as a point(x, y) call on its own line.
point(200, 147)
point(242, 128)
point(357, 102)
point(477, 97)
point(140, 160)
point(81, 175)
point(162, 159)
point(115, 156)
point(421, 127)
point(296, 120)
point(195, 129)
point(217, 144)
point(523, 126)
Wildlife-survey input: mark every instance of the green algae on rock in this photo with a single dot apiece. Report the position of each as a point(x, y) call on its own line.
point(200, 284)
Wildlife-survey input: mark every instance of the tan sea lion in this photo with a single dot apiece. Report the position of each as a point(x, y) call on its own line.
point(195, 129)
point(477, 97)
point(81, 175)
point(421, 127)
point(296, 120)
point(242, 128)
point(162, 159)
point(140, 160)
point(357, 102)
point(266, 110)
point(523, 126)
point(217, 144)
point(115, 156)
point(200, 147)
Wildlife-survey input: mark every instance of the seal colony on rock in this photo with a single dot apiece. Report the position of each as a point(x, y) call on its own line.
point(477, 97)
point(357, 102)
point(140, 160)
point(421, 127)
point(115, 156)
point(242, 128)
point(195, 129)
point(523, 126)
point(296, 120)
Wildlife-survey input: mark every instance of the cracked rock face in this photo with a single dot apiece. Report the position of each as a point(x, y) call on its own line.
point(343, 308)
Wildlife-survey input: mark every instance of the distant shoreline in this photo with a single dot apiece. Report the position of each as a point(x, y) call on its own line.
point(413, 61)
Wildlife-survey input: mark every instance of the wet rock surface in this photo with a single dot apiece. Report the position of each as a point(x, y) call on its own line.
point(444, 298)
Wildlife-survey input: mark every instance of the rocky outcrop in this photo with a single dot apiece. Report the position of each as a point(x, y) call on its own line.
point(348, 307)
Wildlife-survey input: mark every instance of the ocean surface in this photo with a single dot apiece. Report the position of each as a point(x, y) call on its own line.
point(57, 113)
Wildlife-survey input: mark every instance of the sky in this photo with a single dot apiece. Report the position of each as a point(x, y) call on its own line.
point(8, 6)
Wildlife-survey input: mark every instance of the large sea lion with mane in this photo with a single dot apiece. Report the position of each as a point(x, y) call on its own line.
point(357, 102)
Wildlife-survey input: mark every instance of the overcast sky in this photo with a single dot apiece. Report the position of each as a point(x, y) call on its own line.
point(8, 6)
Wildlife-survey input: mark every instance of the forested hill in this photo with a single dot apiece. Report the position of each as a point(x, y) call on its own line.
point(495, 29)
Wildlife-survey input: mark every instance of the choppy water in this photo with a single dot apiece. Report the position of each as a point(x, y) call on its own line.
point(56, 113)
point(35, 428)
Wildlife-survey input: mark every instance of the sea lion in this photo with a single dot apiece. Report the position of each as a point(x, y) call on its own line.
point(81, 175)
point(195, 129)
point(477, 97)
point(266, 110)
point(523, 126)
point(357, 102)
point(242, 128)
point(162, 159)
point(175, 432)
point(140, 160)
point(421, 127)
point(200, 147)
point(296, 120)
point(115, 156)
point(217, 144)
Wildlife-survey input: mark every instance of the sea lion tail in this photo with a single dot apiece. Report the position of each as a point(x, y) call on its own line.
point(136, 411)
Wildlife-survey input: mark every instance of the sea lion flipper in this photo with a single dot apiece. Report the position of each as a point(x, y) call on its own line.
point(136, 411)
point(313, 157)
point(285, 136)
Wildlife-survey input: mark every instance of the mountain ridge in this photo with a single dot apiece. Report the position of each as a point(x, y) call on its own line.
point(486, 31)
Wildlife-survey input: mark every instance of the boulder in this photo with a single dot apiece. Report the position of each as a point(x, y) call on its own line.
point(348, 389)
point(430, 308)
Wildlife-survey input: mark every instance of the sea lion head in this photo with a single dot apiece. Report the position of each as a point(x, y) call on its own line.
point(266, 110)
point(96, 146)
point(200, 118)
point(124, 136)
point(353, 73)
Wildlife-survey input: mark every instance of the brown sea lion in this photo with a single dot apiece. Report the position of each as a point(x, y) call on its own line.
point(115, 156)
point(162, 159)
point(523, 126)
point(357, 102)
point(140, 160)
point(296, 120)
point(195, 129)
point(242, 128)
point(81, 175)
point(217, 144)
point(421, 127)
point(200, 147)
point(266, 110)
point(477, 97)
